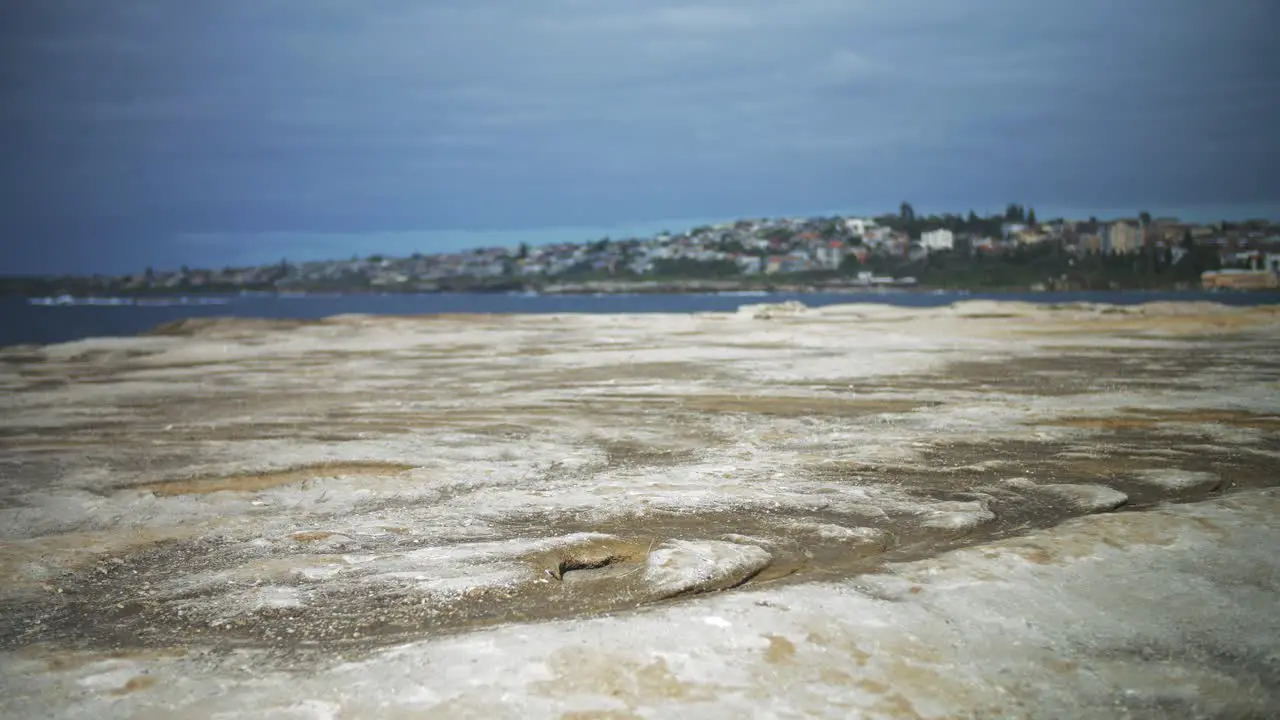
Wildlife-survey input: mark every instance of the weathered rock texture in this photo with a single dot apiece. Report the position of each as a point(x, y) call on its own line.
point(837, 511)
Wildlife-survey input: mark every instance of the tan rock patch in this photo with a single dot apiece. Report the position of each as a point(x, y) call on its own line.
point(580, 672)
point(588, 555)
point(786, 406)
point(256, 482)
point(312, 536)
point(140, 682)
point(21, 560)
point(780, 649)
point(1143, 419)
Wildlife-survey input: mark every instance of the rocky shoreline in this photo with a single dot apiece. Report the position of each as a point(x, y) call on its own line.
point(983, 509)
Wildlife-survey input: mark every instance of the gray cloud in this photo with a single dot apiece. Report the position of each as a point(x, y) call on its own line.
point(246, 116)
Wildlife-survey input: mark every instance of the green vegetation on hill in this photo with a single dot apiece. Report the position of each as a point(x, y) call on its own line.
point(1048, 264)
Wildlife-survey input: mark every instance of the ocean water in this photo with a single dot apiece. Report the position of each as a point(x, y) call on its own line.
point(25, 321)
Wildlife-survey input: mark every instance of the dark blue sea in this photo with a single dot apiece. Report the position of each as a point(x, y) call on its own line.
point(25, 321)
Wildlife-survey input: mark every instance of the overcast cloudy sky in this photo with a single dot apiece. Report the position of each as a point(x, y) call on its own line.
point(159, 132)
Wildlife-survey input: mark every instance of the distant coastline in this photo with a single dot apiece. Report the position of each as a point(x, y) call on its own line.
point(1012, 251)
point(216, 296)
point(621, 290)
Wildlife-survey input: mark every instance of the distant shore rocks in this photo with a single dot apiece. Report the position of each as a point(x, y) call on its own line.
point(769, 311)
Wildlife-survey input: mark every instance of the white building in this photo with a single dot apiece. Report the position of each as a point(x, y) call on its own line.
point(749, 264)
point(829, 257)
point(859, 226)
point(876, 235)
point(938, 240)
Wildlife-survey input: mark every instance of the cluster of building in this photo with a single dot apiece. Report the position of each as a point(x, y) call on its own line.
point(756, 247)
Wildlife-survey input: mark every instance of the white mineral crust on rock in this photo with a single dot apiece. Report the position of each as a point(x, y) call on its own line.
point(1174, 479)
point(680, 566)
point(669, 515)
point(1087, 498)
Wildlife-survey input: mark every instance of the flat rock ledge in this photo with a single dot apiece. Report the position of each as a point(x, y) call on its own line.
point(680, 567)
point(958, 515)
point(1087, 498)
point(1179, 480)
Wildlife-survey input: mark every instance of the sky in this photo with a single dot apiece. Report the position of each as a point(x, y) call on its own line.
point(156, 133)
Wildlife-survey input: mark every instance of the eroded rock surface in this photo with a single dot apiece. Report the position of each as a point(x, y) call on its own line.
point(1177, 480)
point(359, 496)
point(958, 515)
point(680, 567)
point(1086, 498)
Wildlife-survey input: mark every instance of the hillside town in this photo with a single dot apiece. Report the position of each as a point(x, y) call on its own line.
point(1009, 251)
